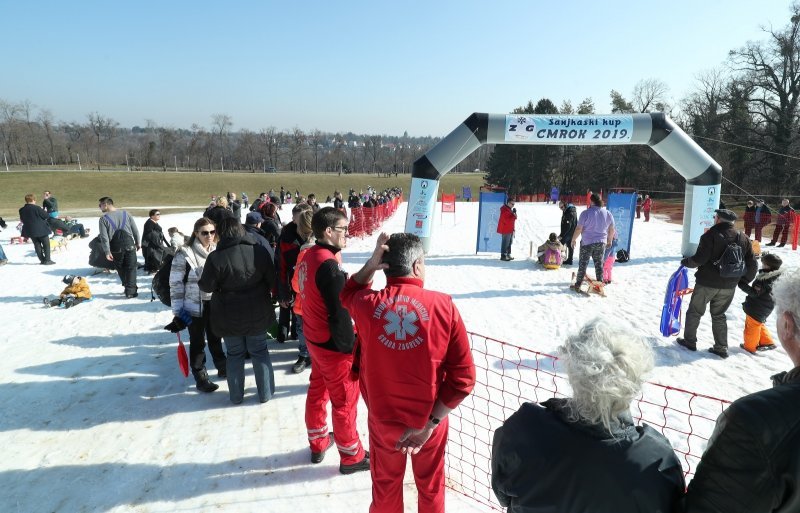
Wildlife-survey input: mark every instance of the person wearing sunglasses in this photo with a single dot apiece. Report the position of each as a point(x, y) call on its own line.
point(186, 296)
point(328, 330)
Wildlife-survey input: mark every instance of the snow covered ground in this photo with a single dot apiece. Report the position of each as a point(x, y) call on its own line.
point(97, 417)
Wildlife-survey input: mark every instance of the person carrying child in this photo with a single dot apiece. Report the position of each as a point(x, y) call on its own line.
point(76, 292)
point(551, 253)
point(759, 305)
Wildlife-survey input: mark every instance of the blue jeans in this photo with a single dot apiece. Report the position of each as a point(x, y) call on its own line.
point(505, 243)
point(256, 345)
point(301, 337)
point(2, 254)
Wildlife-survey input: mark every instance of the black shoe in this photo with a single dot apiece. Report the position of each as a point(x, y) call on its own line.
point(301, 364)
point(691, 346)
point(509, 257)
point(355, 467)
point(46, 301)
point(48, 262)
point(222, 370)
point(317, 457)
point(568, 262)
point(68, 302)
point(767, 347)
point(202, 383)
point(131, 296)
point(782, 244)
point(770, 244)
point(722, 353)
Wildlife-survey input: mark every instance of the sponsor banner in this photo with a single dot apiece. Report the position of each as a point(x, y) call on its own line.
point(466, 192)
point(705, 200)
point(533, 128)
point(488, 214)
point(623, 208)
point(422, 201)
point(449, 203)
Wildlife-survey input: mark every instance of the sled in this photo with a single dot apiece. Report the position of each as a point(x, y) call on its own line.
point(592, 286)
point(677, 287)
point(183, 358)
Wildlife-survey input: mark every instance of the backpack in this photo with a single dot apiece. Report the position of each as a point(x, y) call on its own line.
point(552, 258)
point(159, 287)
point(731, 262)
point(623, 256)
point(121, 240)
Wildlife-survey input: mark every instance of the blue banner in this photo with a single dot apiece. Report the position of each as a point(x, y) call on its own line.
point(466, 192)
point(622, 206)
point(488, 215)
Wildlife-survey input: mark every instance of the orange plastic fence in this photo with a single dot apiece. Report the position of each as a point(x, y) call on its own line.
point(365, 220)
point(508, 375)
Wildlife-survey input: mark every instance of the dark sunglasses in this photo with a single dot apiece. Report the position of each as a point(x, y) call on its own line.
point(212, 232)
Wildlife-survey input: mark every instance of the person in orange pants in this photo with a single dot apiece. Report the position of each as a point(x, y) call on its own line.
point(759, 305)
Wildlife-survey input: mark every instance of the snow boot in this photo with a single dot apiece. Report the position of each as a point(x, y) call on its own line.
point(222, 369)
point(68, 302)
point(203, 384)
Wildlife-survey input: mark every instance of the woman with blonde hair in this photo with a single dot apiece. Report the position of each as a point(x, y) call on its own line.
point(584, 453)
point(186, 296)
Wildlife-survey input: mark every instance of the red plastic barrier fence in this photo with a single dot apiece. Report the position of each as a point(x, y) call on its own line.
point(509, 375)
point(365, 220)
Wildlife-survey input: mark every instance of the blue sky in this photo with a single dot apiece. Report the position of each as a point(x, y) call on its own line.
point(362, 66)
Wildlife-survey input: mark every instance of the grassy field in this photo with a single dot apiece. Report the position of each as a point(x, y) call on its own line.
point(78, 191)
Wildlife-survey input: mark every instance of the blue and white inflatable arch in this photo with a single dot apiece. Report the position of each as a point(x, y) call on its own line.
point(703, 175)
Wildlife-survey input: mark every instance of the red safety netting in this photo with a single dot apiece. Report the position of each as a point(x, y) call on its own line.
point(365, 220)
point(509, 375)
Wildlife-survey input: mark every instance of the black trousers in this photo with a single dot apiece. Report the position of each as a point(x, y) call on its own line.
point(199, 332)
point(287, 325)
point(42, 247)
point(125, 264)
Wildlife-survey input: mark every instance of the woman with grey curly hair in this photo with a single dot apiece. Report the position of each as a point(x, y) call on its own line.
point(584, 453)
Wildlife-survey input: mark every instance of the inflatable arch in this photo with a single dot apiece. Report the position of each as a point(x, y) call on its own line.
point(703, 175)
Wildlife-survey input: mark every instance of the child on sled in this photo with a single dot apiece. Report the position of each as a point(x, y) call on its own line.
point(551, 254)
point(76, 292)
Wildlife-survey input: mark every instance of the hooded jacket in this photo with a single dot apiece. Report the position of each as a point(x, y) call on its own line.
point(187, 267)
point(542, 461)
point(709, 250)
point(80, 289)
point(759, 302)
point(569, 221)
point(239, 275)
point(751, 463)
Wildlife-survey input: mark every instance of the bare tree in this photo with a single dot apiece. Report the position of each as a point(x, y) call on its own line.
point(650, 95)
point(222, 124)
point(103, 129)
point(317, 141)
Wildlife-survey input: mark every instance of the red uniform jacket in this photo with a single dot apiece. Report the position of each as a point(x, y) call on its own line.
point(507, 219)
point(414, 349)
point(320, 280)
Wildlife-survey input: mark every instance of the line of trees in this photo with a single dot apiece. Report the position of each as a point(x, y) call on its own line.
point(31, 138)
point(745, 115)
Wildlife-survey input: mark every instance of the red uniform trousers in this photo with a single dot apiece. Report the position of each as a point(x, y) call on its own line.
point(388, 467)
point(777, 234)
point(330, 380)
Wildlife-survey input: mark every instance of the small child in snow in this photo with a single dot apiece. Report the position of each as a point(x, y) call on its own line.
point(551, 254)
point(176, 238)
point(609, 258)
point(76, 291)
point(759, 304)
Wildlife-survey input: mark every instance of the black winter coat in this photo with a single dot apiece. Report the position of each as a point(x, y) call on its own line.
point(759, 302)
point(240, 275)
point(34, 221)
point(544, 462)
point(569, 221)
point(712, 245)
point(751, 464)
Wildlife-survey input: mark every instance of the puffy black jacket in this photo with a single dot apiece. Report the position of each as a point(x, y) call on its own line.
point(543, 462)
point(752, 462)
point(239, 274)
point(34, 221)
point(709, 250)
point(569, 221)
point(759, 302)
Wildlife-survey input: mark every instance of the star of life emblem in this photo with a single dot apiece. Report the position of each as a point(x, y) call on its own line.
point(400, 322)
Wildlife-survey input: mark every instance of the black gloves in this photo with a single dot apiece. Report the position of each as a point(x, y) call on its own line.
point(179, 322)
point(514, 210)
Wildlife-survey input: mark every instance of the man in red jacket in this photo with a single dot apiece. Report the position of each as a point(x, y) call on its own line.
point(505, 227)
point(415, 367)
point(329, 335)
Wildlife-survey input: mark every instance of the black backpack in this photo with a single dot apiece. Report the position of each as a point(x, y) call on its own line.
point(731, 263)
point(622, 256)
point(121, 240)
point(159, 287)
